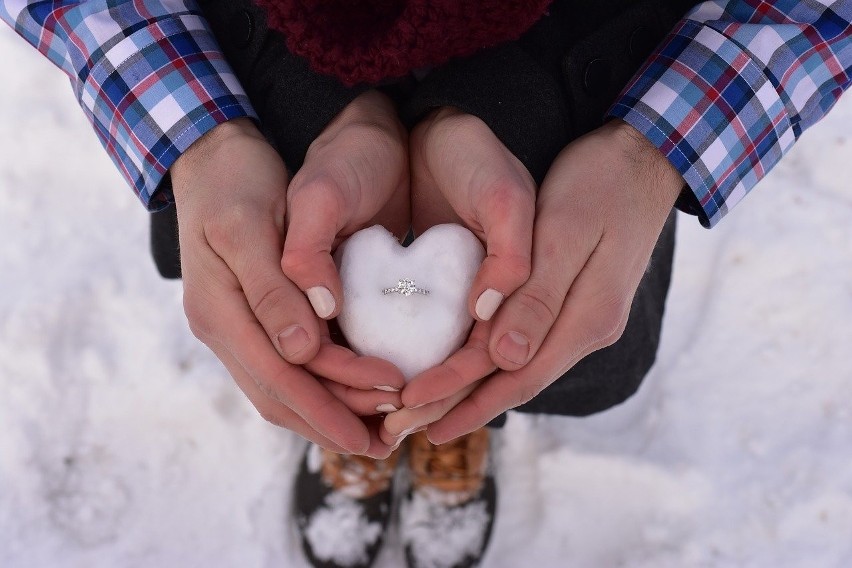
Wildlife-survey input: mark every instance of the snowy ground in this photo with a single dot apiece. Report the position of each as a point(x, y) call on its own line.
point(123, 443)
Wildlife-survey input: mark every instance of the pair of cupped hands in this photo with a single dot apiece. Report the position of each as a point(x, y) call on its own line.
point(563, 263)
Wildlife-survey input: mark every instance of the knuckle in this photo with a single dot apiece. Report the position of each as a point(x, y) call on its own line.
point(541, 300)
point(273, 418)
point(510, 199)
point(292, 261)
point(518, 267)
point(225, 228)
point(319, 194)
point(272, 301)
point(615, 334)
point(198, 331)
point(450, 130)
point(529, 391)
point(267, 389)
point(609, 321)
point(197, 315)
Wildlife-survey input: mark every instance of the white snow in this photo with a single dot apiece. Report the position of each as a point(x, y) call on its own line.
point(124, 443)
point(440, 535)
point(340, 532)
point(418, 331)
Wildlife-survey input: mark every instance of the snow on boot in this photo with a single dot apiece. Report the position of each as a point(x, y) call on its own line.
point(448, 514)
point(342, 507)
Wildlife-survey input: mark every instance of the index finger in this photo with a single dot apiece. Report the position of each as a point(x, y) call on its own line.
point(346, 367)
point(464, 367)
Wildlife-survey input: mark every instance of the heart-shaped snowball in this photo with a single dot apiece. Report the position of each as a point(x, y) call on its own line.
point(408, 304)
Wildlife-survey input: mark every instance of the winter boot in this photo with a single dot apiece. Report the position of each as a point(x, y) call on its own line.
point(342, 507)
point(448, 514)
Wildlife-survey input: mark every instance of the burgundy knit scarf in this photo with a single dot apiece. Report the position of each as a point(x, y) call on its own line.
point(366, 41)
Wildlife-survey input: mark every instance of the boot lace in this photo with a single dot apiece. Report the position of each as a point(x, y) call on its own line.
point(457, 468)
point(358, 477)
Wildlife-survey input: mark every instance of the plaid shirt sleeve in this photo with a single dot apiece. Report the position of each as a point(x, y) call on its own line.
point(733, 86)
point(147, 73)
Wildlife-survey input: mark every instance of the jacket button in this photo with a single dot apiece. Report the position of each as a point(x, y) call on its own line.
point(597, 76)
point(243, 29)
point(641, 44)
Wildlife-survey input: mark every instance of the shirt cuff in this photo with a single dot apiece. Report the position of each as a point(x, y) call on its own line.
point(155, 92)
point(710, 109)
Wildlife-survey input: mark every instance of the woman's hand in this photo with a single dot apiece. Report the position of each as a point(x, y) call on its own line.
point(461, 173)
point(355, 175)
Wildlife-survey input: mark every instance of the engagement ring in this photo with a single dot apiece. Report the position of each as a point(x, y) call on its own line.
point(406, 287)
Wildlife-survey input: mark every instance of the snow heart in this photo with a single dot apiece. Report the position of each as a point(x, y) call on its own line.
point(408, 304)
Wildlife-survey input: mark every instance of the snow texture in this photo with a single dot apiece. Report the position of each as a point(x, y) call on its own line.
point(414, 332)
point(340, 532)
point(440, 536)
point(124, 442)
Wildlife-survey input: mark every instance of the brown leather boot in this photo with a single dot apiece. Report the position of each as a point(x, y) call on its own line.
point(448, 515)
point(342, 506)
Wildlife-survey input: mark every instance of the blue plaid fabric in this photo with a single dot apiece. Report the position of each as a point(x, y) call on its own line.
point(724, 96)
point(733, 86)
point(147, 73)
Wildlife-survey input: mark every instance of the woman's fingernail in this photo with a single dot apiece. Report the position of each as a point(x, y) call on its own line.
point(293, 339)
point(321, 300)
point(386, 408)
point(487, 304)
point(386, 388)
point(410, 431)
point(514, 347)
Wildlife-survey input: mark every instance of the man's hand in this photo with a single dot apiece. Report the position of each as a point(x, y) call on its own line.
point(599, 214)
point(230, 189)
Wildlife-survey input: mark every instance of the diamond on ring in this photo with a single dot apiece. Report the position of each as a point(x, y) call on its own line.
point(406, 287)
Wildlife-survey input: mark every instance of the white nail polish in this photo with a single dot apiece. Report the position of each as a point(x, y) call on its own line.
point(386, 388)
point(386, 408)
point(321, 300)
point(487, 304)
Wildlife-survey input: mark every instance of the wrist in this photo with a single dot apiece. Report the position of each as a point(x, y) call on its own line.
point(661, 178)
point(209, 146)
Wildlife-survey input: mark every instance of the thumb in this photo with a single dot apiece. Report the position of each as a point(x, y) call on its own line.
point(315, 218)
point(506, 213)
